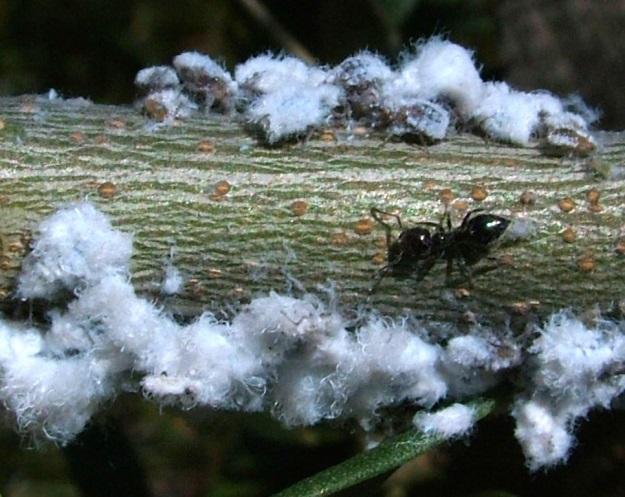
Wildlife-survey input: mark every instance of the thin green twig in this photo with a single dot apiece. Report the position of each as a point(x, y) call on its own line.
point(386, 456)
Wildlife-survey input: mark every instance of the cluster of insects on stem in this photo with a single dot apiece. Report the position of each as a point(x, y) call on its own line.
point(417, 249)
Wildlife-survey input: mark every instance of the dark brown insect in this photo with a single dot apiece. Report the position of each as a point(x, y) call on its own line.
point(416, 250)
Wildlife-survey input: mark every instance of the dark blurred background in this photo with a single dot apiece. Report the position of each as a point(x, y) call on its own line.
point(93, 48)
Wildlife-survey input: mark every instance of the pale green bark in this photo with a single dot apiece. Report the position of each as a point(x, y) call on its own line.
point(233, 246)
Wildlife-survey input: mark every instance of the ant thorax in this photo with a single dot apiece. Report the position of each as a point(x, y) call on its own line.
point(414, 243)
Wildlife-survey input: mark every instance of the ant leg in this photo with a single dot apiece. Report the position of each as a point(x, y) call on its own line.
point(449, 270)
point(465, 272)
point(379, 276)
point(376, 214)
point(447, 217)
point(485, 269)
point(428, 223)
point(425, 268)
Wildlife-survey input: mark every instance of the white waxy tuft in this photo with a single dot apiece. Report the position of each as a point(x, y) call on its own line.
point(451, 422)
point(156, 78)
point(75, 247)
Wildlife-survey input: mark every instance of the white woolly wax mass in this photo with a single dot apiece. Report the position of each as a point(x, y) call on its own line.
point(75, 247)
point(435, 89)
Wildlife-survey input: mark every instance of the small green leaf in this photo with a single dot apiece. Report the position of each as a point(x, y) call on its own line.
point(388, 455)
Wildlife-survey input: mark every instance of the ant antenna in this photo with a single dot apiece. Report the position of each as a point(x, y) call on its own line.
point(379, 276)
point(376, 214)
point(446, 218)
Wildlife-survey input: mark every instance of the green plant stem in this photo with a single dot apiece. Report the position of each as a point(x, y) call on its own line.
point(304, 210)
point(388, 455)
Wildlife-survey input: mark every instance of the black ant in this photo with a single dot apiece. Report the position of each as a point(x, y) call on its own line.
point(416, 250)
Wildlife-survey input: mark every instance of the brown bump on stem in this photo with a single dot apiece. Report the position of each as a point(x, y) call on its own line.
point(16, 247)
point(107, 190)
point(620, 247)
point(206, 147)
point(378, 258)
point(460, 205)
point(4, 293)
point(101, 139)
point(77, 137)
point(213, 273)
point(586, 263)
point(428, 185)
point(116, 123)
point(299, 207)
point(446, 195)
point(360, 131)
point(222, 188)
point(584, 146)
point(5, 262)
point(462, 293)
point(592, 196)
point(2, 124)
point(523, 307)
point(469, 317)
point(595, 208)
point(380, 242)
point(520, 308)
point(238, 292)
point(328, 135)
point(569, 235)
point(478, 193)
point(4, 200)
point(505, 260)
point(363, 226)
point(527, 198)
point(26, 237)
point(566, 204)
point(339, 239)
point(154, 109)
point(196, 287)
point(27, 108)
